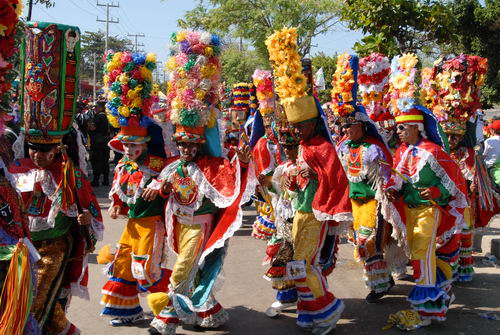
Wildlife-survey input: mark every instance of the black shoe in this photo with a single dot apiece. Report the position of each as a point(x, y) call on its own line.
point(373, 297)
point(153, 331)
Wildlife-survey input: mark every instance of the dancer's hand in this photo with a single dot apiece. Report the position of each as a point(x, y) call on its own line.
point(264, 181)
point(244, 153)
point(392, 195)
point(84, 218)
point(426, 194)
point(114, 212)
point(166, 187)
point(308, 173)
point(149, 194)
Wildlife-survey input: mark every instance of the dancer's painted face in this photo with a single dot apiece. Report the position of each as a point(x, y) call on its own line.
point(454, 140)
point(408, 133)
point(354, 131)
point(188, 151)
point(43, 156)
point(133, 150)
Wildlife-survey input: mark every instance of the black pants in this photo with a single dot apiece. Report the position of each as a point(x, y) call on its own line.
point(99, 158)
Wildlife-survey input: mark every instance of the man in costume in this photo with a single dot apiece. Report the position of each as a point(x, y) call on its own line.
point(434, 195)
point(135, 267)
point(99, 151)
point(63, 213)
point(203, 191)
point(323, 206)
point(367, 162)
point(457, 82)
point(17, 253)
point(492, 153)
point(280, 249)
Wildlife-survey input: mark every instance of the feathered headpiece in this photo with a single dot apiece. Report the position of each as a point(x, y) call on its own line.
point(290, 82)
point(344, 87)
point(194, 87)
point(128, 81)
point(263, 81)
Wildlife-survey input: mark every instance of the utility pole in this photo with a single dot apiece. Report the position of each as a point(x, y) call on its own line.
point(158, 63)
point(108, 20)
point(93, 90)
point(137, 44)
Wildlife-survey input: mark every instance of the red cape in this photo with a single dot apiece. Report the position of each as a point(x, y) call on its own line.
point(265, 160)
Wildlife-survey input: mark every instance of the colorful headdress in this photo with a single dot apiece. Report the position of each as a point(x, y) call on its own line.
point(10, 37)
point(290, 82)
point(241, 96)
point(402, 89)
point(50, 63)
point(373, 80)
point(254, 102)
point(344, 87)
point(263, 81)
point(457, 83)
point(194, 87)
point(128, 80)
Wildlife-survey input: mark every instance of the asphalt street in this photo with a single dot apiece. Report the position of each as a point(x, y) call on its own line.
point(246, 295)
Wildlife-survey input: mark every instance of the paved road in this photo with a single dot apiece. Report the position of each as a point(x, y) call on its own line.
point(246, 295)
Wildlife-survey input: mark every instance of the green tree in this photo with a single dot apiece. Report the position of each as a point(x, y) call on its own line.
point(477, 31)
point(397, 26)
point(328, 64)
point(93, 43)
point(238, 64)
point(255, 20)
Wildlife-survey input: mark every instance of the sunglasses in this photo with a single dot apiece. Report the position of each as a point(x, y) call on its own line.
point(401, 127)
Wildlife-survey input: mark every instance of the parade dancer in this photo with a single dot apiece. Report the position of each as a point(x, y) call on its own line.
point(323, 206)
point(203, 191)
point(367, 162)
point(455, 83)
point(63, 213)
point(434, 194)
point(280, 248)
point(135, 266)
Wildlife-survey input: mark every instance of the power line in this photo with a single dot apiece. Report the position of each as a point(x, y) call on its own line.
point(136, 36)
point(86, 11)
point(130, 23)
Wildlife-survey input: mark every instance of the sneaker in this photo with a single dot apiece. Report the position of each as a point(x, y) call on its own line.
point(120, 322)
point(153, 331)
point(373, 297)
point(425, 323)
point(277, 307)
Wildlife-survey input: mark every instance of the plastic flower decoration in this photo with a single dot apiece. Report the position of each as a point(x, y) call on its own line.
point(128, 85)
point(285, 59)
point(402, 86)
point(343, 83)
point(263, 82)
point(373, 81)
point(194, 77)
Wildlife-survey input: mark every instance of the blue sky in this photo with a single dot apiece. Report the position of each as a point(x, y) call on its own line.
point(157, 21)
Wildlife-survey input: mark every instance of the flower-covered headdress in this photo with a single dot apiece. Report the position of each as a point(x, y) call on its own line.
point(290, 82)
point(373, 80)
point(49, 77)
point(344, 88)
point(128, 81)
point(457, 83)
point(194, 87)
point(10, 37)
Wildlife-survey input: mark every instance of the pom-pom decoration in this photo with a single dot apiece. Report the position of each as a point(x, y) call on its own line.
point(263, 82)
point(194, 86)
point(290, 82)
point(373, 81)
point(241, 96)
point(10, 37)
point(129, 89)
point(344, 85)
point(402, 86)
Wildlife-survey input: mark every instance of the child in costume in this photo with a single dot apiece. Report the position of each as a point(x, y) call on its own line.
point(434, 194)
point(17, 253)
point(63, 213)
point(136, 264)
point(203, 191)
point(280, 248)
point(367, 162)
point(323, 206)
point(456, 83)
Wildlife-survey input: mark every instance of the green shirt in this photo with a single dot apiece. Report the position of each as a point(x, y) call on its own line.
point(303, 202)
point(360, 189)
point(62, 226)
point(427, 178)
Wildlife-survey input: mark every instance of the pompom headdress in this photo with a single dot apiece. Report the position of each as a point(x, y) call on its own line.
point(290, 82)
point(194, 87)
point(128, 81)
point(344, 88)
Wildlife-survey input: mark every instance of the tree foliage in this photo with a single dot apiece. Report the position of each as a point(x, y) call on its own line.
point(397, 26)
point(329, 64)
point(238, 64)
point(255, 20)
point(93, 43)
